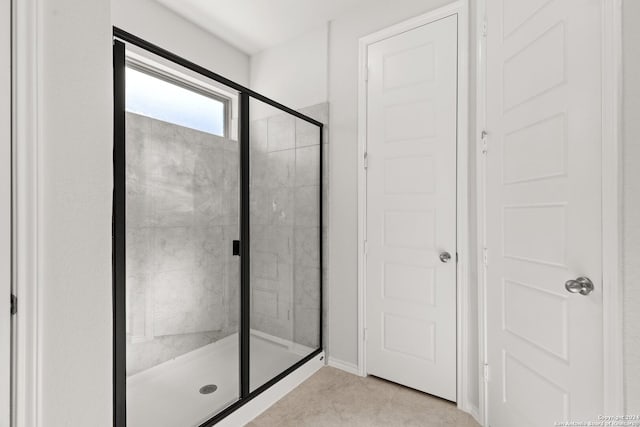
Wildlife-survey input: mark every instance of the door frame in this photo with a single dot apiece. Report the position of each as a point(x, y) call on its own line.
point(5, 210)
point(26, 146)
point(459, 8)
point(613, 339)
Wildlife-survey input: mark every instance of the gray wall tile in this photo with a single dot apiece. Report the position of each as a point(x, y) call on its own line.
point(285, 223)
point(281, 133)
point(307, 170)
point(307, 206)
point(182, 213)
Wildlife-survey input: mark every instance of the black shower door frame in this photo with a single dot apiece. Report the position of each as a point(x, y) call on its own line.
point(120, 39)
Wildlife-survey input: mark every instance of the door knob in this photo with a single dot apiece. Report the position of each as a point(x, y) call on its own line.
point(445, 256)
point(582, 285)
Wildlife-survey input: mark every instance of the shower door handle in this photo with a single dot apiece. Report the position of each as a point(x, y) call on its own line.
point(236, 248)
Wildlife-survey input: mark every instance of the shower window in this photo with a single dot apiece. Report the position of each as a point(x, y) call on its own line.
point(160, 96)
point(217, 247)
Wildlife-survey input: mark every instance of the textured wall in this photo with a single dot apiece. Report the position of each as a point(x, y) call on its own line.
point(631, 239)
point(182, 215)
point(285, 226)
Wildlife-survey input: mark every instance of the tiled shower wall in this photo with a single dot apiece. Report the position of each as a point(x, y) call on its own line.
point(182, 215)
point(285, 287)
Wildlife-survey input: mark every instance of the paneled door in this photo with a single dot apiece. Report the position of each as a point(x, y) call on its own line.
point(411, 208)
point(544, 212)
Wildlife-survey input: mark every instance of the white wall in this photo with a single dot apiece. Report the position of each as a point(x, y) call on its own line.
point(157, 24)
point(75, 182)
point(631, 195)
point(293, 73)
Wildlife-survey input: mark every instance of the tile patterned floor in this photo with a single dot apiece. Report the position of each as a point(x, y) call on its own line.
point(335, 398)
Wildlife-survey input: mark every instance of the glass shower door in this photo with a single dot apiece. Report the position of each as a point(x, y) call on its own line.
point(182, 216)
point(285, 241)
point(217, 247)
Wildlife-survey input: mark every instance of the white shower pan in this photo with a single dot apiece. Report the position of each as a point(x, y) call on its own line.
point(168, 395)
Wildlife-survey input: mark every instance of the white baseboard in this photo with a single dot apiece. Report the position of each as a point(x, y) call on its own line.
point(465, 405)
point(267, 398)
point(474, 412)
point(344, 366)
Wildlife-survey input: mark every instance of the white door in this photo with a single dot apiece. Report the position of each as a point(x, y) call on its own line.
point(411, 208)
point(543, 211)
point(5, 209)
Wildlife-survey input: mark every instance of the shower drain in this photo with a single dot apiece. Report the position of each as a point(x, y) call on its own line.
point(208, 389)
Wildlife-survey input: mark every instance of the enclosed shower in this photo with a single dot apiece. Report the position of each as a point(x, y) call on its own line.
point(218, 197)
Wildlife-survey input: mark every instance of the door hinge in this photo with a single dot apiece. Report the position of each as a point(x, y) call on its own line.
point(14, 304)
point(485, 372)
point(485, 256)
point(483, 142)
point(366, 161)
point(483, 28)
point(366, 73)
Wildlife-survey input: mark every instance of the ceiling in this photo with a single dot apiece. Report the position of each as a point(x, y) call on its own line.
point(255, 25)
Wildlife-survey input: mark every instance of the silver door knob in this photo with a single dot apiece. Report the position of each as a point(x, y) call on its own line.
point(582, 285)
point(445, 256)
